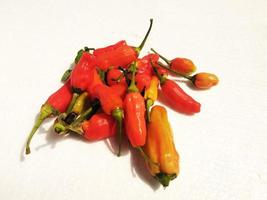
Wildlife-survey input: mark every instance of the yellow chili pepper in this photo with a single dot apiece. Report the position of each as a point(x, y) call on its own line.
point(160, 147)
point(151, 94)
point(66, 119)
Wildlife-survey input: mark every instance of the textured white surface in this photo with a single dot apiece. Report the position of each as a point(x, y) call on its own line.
point(223, 149)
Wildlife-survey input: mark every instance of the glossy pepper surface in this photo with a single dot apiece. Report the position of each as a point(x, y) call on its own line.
point(100, 126)
point(55, 104)
point(178, 99)
point(134, 109)
point(160, 147)
point(204, 80)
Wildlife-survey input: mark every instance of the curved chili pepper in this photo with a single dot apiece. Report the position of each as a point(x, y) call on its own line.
point(181, 65)
point(55, 104)
point(177, 98)
point(100, 126)
point(134, 108)
point(151, 94)
point(112, 105)
point(119, 54)
point(94, 80)
point(160, 147)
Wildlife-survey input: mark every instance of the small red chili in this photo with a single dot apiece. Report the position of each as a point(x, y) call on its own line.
point(55, 104)
point(100, 126)
point(142, 81)
point(115, 76)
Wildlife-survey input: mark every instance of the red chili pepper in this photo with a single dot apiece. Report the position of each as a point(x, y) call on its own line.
point(144, 65)
point(142, 81)
point(80, 76)
point(55, 104)
point(115, 76)
point(94, 80)
point(181, 65)
point(119, 89)
point(134, 108)
point(177, 98)
point(112, 105)
point(119, 54)
point(100, 126)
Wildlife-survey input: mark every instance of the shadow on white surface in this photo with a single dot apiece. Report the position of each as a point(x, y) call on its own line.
point(139, 168)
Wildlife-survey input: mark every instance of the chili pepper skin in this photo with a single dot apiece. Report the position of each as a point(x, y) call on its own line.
point(100, 126)
point(119, 54)
point(81, 72)
point(178, 99)
point(160, 147)
point(142, 81)
point(55, 104)
point(134, 109)
point(180, 65)
point(204, 80)
point(115, 76)
point(116, 55)
point(94, 80)
point(119, 89)
point(151, 94)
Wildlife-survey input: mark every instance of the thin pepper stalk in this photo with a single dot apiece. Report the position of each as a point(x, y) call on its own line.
point(181, 65)
point(140, 47)
point(55, 104)
point(202, 80)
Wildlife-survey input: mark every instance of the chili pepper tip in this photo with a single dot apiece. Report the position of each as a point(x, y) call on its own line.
point(165, 179)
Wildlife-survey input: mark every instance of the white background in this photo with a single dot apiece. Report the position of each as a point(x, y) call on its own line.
point(223, 149)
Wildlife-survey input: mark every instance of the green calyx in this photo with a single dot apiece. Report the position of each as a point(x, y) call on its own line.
point(132, 87)
point(46, 111)
point(138, 49)
point(164, 178)
point(117, 114)
point(149, 103)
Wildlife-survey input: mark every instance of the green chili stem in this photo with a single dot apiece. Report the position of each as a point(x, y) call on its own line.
point(162, 57)
point(162, 79)
point(138, 49)
point(73, 100)
point(118, 116)
point(164, 178)
point(132, 87)
point(149, 103)
point(45, 112)
point(87, 114)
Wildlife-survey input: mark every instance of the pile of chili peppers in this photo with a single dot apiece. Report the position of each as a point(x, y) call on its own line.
point(110, 91)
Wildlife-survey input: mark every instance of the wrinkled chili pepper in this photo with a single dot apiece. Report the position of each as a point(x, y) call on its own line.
point(55, 104)
point(80, 76)
point(181, 65)
point(160, 147)
point(134, 108)
point(119, 54)
point(67, 73)
point(100, 126)
point(112, 105)
point(151, 94)
point(177, 98)
point(94, 80)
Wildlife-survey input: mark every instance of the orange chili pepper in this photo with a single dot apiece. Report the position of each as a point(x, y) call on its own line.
point(160, 147)
point(204, 80)
point(134, 108)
